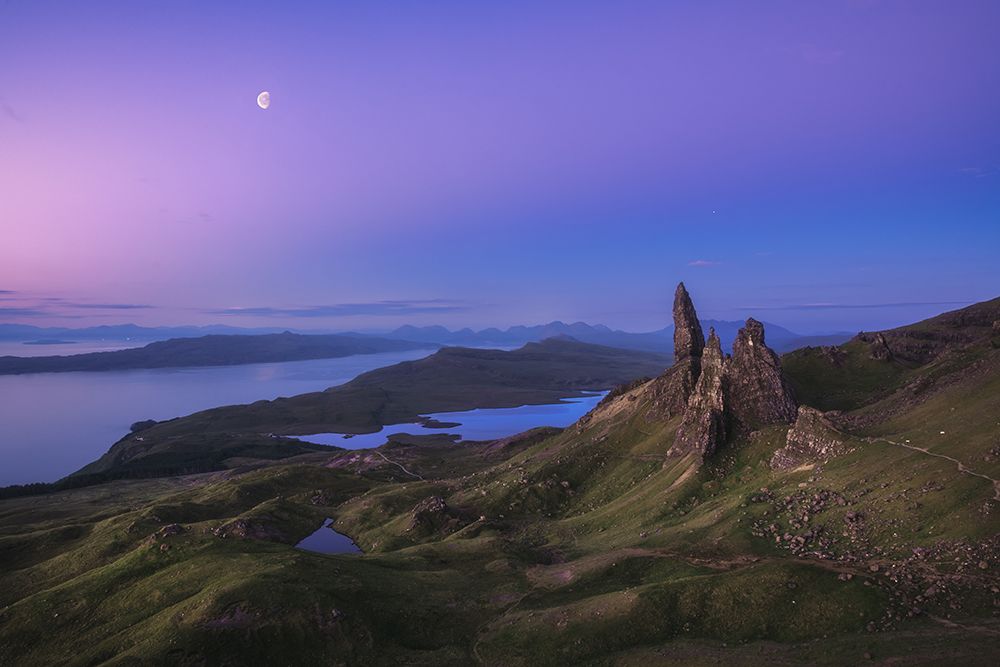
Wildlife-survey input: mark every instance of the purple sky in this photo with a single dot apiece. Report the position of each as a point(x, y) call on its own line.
point(821, 165)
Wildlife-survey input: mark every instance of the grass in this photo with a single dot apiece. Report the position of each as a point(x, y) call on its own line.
point(585, 546)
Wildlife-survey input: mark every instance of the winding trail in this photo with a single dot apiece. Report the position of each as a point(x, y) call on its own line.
point(961, 466)
point(401, 466)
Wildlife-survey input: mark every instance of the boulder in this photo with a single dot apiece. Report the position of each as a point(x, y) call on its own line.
point(813, 439)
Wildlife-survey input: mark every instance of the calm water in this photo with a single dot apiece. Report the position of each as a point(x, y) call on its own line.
point(479, 424)
point(328, 541)
point(52, 424)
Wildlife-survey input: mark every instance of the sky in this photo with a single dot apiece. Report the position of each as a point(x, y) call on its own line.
point(827, 166)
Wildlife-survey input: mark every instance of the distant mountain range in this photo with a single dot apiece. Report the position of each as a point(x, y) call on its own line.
point(660, 341)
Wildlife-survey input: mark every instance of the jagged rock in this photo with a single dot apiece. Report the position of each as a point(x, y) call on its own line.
point(251, 529)
point(758, 391)
point(878, 346)
point(714, 393)
point(834, 354)
point(813, 439)
point(703, 428)
point(433, 515)
point(674, 388)
point(689, 341)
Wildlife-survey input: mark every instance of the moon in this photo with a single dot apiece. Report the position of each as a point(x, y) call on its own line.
point(264, 100)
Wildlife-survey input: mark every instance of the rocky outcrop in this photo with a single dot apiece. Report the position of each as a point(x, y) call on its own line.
point(813, 439)
point(252, 528)
point(433, 515)
point(718, 395)
point(689, 341)
point(703, 427)
point(674, 388)
point(758, 391)
point(878, 346)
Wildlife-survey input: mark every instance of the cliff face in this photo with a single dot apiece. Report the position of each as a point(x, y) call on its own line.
point(758, 391)
point(689, 344)
point(717, 394)
point(689, 341)
point(703, 427)
point(813, 439)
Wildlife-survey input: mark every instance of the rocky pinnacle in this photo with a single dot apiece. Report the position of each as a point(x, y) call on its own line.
point(758, 391)
point(730, 394)
point(689, 341)
point(703, 427)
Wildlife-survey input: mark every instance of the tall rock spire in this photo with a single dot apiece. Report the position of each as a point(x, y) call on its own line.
point(758, 391)
point(689, 341)
point(703, 427)
point(731, 395)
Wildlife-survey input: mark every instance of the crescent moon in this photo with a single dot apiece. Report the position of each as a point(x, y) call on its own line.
point(264, 100)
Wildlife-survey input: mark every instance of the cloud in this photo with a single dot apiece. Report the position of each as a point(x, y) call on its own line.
point(703, 263)
point(56, 307)
point(7, 291)
point(23, 312)
point(978, 172)
point(66, 303)
point(374, 308)
point(107, 306)
point(856, 306)
point(9, 111)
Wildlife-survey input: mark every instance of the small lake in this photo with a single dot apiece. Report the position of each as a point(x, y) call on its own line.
point(328, 541)
point(52, 424)
point(479, 424)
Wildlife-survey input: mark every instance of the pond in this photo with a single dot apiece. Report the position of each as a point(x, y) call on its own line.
point(328, 541)
point(479, 424)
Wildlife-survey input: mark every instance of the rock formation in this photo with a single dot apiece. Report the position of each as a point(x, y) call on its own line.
point(689, 341)
point(703, 427)
point(718, 395)
point(813, 439)
point(758, 391)
point(878, 346)
point(433, 515)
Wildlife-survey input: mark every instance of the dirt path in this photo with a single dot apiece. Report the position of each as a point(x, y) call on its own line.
point(961, 466)
point(401, 466)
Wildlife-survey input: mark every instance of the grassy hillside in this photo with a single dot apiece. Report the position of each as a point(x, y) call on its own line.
point(582, 546)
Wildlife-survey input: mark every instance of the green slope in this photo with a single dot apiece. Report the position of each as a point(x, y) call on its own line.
point(585, 546)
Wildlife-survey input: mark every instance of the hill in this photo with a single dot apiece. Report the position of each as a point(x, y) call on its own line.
point(215, 350)
point(718, 513)
point(449, 380)
point(659, 341)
